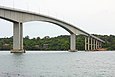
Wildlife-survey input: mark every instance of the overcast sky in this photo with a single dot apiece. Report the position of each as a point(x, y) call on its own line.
point(92, 16)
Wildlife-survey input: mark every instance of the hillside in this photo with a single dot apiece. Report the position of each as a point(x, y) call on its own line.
point(55, 43)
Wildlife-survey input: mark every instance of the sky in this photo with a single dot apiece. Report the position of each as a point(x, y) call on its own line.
point(92, 16)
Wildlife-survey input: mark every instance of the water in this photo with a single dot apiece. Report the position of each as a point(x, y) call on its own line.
point(57, 64)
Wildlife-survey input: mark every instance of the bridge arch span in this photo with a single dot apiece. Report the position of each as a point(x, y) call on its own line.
point(16, 15)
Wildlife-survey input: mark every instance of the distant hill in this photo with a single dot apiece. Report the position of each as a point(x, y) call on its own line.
point(56, 43)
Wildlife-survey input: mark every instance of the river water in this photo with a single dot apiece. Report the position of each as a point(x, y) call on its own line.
point(57, 64)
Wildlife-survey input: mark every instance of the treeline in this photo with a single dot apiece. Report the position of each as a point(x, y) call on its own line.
point(109, 41)
point(55, 43)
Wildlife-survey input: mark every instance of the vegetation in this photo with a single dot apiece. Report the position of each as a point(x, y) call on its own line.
point(55, 43)
point(109, 41)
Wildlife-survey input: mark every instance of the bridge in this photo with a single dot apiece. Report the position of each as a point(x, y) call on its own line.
point(18, 17)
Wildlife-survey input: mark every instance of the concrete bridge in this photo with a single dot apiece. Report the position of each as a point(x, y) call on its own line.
point(18, 17)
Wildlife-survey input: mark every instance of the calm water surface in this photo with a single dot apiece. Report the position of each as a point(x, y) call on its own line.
point(57, 64)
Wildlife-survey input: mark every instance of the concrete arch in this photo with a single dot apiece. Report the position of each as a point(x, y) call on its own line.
point(22, 16)
point(58, 24)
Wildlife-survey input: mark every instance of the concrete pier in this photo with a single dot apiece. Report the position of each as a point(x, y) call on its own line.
point(73, 43)
point(94, 45)
point(88, 43)
point(17, 38)
point(85, 43)
point(91, 44)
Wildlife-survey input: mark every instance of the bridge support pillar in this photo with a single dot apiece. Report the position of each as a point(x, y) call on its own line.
point(91, 44)
point(96, 44)
point(85, 43)
point(88, 46)
point(88, 43)
point(73, 43)
point(17, 38)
